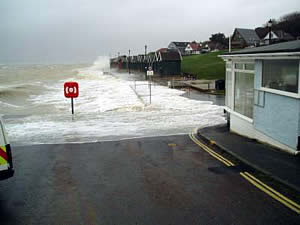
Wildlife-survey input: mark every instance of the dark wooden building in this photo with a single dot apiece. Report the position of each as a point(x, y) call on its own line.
point(168, 63)
point(163, 62)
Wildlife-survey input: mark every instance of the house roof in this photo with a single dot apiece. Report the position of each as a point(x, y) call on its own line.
point(114, 60)
point(195, 46)
point(248, 35)
point(170, 56)
point(281, 35)
point(261, 31)
point(180, 43)
point(290, 46)
point(123, 58)
point(162, 50)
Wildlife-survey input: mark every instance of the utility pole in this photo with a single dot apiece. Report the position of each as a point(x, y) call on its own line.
point(145, 62)
point(229, 44)
point(150, 89)
point(129, 61)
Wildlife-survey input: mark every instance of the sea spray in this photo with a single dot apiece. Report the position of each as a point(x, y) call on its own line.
point(107, 107)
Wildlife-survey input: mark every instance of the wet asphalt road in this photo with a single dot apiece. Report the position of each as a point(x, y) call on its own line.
point(160, 180)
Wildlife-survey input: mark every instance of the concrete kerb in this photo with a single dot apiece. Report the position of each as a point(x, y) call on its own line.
point(246, 162)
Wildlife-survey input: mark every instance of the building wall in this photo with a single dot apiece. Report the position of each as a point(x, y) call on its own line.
point(276, 116)
point(169, 68)
point(237, 41)
point(299, 120)
point(241, 126)
point(246, 128)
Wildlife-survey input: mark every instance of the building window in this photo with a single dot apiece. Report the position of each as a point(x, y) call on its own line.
point(239, 66)
point(244, 93)
point(249, 66)
point(281, 75)
point(228, 65)
point(228, 83)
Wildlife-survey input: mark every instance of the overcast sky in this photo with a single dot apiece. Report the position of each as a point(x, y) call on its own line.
point(60, 31)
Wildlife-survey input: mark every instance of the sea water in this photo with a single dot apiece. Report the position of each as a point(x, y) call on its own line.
point(110, 106)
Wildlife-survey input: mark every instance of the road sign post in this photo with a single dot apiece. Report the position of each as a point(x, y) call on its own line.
point(72, 105)
point(150, 73)
point(150, 91)
point(71, 90)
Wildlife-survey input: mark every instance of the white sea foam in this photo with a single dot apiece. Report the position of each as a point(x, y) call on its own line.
point(108, 108)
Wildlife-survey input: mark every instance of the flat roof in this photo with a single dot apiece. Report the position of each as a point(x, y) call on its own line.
point(290, 46)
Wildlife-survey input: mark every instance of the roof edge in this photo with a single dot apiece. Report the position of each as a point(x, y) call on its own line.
point(262, 54)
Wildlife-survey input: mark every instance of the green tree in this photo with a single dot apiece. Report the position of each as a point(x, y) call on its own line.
point(290, 23)
point(219, 38)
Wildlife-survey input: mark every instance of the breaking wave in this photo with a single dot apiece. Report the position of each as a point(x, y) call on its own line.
point(108, 107)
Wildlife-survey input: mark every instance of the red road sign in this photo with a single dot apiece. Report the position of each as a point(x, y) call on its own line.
point(71, 89)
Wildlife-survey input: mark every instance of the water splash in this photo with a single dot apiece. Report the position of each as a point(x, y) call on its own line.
point(107, 109)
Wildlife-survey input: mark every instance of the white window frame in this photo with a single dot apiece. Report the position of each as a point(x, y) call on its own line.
point(232, 110)
point(228, 62)
point(280, 92)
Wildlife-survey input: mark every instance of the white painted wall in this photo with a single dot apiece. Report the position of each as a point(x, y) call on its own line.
point(241, 126)
point(188, 48)
point(273, 36)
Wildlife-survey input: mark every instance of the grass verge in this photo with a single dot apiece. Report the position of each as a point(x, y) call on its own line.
point(205, 66)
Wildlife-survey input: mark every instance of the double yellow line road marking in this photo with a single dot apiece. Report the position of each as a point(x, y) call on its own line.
point(271, 192)
point(211, 152)
point(250, 178)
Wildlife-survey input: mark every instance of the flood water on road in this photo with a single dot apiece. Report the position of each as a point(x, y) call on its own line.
point(111, 106)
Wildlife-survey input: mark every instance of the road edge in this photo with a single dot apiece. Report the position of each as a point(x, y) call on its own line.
point(245, 161)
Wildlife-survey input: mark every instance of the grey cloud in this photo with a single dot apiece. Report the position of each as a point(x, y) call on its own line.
point(80, 30)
